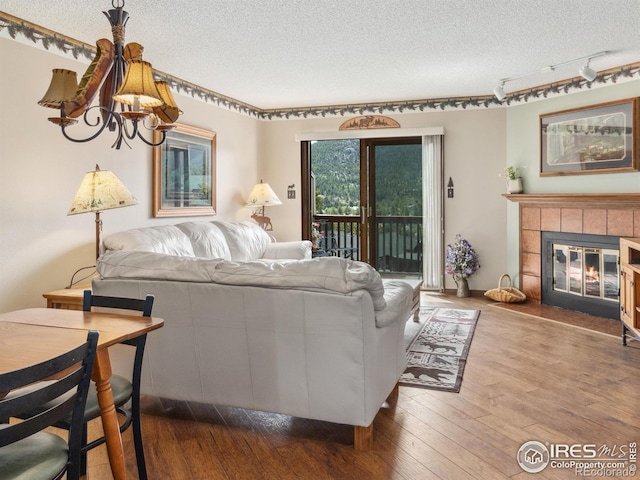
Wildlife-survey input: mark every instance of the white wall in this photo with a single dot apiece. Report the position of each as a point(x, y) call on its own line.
point(523, 149)
point(474, 157)
point(40, 246)
point(40, 171)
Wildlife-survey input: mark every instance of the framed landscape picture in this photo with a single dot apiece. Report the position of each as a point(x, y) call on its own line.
point(596, 139)
point(184, 173)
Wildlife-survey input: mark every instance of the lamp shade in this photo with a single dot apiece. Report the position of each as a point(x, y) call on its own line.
point(62, 88)
point(138, 84)
point(169, 111)
point(101, 190)
point(262, 195)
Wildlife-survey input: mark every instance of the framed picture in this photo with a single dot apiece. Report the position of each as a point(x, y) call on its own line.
point(184, 173)
point(597, 139)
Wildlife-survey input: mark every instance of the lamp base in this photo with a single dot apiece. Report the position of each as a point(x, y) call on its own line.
point(264, 222)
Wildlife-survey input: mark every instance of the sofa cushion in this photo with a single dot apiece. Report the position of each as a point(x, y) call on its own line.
point(167, 239)
point(246, 241)
point(156, 266)
point(325, 273)
point(296, 250)
point(206, 239)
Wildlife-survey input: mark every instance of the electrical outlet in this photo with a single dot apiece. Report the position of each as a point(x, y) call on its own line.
point(291, 194)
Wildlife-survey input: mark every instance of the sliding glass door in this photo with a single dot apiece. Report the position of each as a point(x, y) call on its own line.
point(364, 201)
point(394, 199)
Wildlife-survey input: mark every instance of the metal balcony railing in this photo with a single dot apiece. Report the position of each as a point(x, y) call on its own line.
point(396, 241)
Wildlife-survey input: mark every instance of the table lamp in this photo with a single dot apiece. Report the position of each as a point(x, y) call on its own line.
point(100, 190)
point(262, 195)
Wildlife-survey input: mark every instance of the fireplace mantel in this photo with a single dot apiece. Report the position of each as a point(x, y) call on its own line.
point(613, 200)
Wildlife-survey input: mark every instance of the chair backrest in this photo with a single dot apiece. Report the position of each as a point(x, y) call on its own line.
point(145, 306)
point(68, 395)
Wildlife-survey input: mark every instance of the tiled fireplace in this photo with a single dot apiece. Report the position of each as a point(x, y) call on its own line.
point(602, 215)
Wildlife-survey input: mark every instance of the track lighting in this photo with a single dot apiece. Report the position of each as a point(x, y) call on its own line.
point(586, 72)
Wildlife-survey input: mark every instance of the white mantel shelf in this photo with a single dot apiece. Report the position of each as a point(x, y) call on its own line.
point(603, 200)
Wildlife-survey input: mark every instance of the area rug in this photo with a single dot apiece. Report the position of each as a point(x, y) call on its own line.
point(437, 355)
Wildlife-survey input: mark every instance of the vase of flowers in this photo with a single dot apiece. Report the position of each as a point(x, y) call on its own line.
point(461, 262)
point(514, 181)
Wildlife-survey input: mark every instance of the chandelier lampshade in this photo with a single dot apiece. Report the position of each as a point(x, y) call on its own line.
point(62, 88)
point(138, 87)
point(169, 111)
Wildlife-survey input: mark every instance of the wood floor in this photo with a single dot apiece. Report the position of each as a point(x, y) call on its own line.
point(526, 379)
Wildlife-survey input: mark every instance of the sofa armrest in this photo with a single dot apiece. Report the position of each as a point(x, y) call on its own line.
point(297, 250)
point(399, 297)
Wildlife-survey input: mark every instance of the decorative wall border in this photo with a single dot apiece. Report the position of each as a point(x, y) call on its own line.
point(15, 26)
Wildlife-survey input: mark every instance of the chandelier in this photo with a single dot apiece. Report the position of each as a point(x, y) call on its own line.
point(129, 98)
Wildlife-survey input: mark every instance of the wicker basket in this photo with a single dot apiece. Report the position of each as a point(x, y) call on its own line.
point(506, 294)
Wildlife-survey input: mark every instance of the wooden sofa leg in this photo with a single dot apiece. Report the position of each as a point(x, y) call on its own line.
point(363, 437)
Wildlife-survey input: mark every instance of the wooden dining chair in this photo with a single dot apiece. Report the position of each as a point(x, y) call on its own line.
point(26, 451)
point(123, 389)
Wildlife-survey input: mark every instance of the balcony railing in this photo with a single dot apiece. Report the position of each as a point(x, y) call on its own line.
point(396, 244)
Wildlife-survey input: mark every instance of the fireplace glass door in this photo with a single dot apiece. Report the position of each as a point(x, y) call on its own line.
point(588, 272)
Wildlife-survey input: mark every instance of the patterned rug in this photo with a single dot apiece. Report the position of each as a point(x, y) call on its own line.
point(437, 354)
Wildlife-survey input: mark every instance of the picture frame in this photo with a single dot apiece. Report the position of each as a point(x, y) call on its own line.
point(184, 172)
point(599, 138)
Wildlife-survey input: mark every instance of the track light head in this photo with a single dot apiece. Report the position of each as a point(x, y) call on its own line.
point(588, 73)
point(499, 92)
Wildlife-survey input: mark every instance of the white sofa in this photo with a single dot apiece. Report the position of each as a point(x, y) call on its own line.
point(314, 338)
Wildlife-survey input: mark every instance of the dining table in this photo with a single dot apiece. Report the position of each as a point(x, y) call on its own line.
point(33, 335)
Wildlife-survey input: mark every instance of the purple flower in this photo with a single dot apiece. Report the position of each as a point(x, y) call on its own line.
point(461, 260)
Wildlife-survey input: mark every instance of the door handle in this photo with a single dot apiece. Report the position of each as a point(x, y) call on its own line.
point(363, 215)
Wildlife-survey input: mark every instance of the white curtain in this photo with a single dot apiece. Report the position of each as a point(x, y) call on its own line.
point(432, 213)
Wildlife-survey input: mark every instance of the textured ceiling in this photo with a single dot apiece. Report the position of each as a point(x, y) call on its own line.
point(299, 53)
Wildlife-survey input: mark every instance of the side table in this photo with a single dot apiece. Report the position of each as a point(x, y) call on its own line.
point(415, 303)
point(66, 298)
